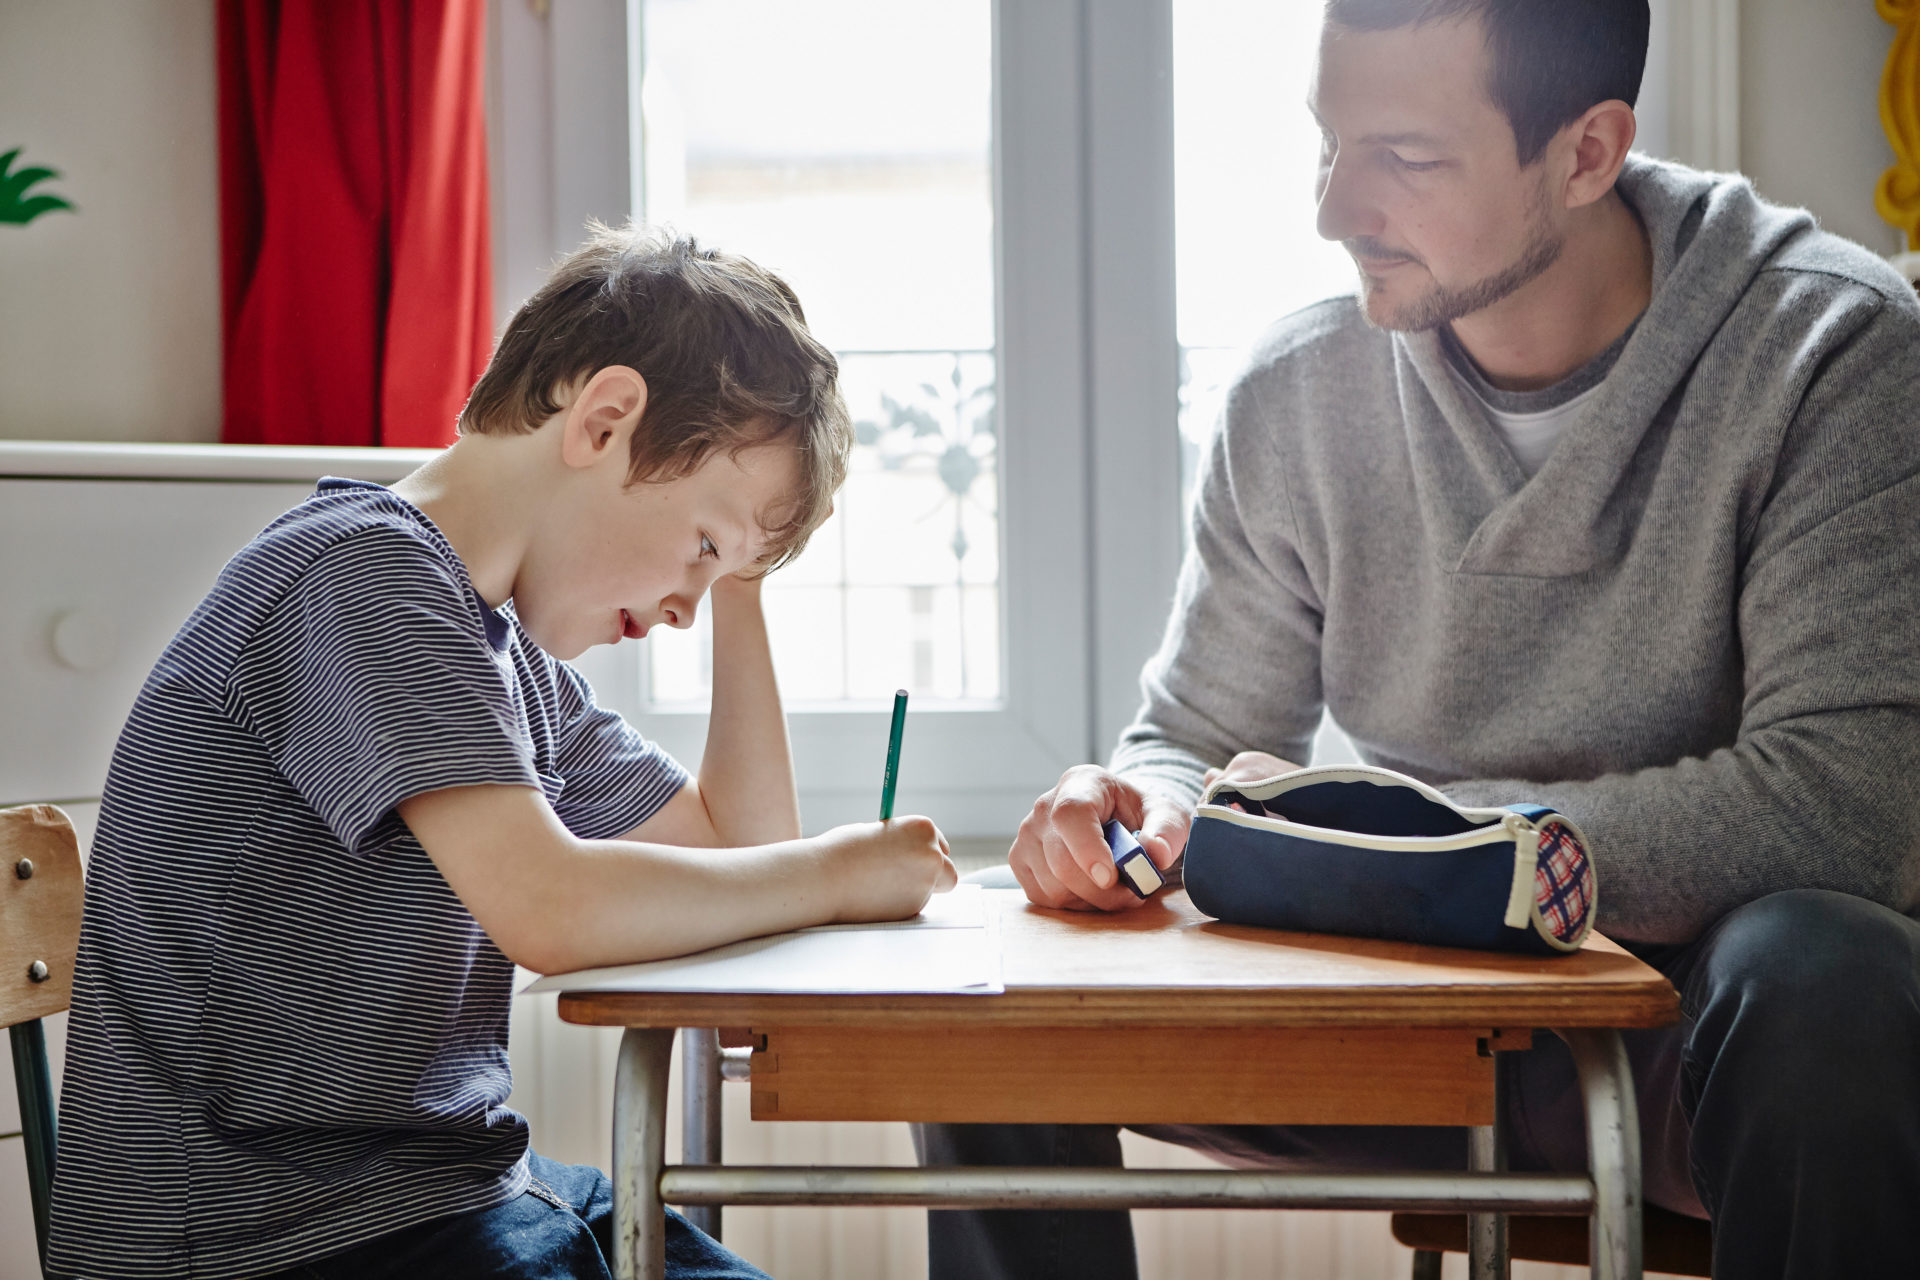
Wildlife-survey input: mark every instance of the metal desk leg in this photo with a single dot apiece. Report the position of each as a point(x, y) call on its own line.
point(639, 1153)
point(1613, 1149)
point(1487, 1257)
point(700, 1113)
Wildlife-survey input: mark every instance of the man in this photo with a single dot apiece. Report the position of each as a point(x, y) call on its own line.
point(1605, 494)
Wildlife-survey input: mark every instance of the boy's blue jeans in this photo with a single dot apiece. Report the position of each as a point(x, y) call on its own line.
point(1785, 1105)
point(561, 1228)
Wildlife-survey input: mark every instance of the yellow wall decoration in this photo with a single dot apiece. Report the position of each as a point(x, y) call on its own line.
point(1897, 196)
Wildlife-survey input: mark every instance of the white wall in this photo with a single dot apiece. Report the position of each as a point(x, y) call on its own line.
point(1809, 110)
point(110, 328)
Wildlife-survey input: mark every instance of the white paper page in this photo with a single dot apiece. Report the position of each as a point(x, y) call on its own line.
point(833, 962)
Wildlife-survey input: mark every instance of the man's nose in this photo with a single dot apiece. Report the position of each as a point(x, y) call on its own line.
point(1343, 210)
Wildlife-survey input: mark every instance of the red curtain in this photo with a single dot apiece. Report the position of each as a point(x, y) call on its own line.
point(353, 218)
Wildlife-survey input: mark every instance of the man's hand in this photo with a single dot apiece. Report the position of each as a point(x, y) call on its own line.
point(1250, 766)
point(1061, 857)
point(885, 870)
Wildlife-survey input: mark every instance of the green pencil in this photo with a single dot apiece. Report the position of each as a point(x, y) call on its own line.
point(893, 754)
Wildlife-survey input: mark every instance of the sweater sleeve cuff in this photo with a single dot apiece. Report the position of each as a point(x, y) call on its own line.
point(1161, 768)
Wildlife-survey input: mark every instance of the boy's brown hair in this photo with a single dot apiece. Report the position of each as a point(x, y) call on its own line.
point(723, 346)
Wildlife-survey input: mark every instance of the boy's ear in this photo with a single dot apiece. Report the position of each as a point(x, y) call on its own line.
point(603, 415)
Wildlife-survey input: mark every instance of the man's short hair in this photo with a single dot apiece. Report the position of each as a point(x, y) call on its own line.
point(723, 346)
point(1550, 59)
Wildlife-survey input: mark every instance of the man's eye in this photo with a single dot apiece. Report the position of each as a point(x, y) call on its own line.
point(707, 549)
point(1412, 166)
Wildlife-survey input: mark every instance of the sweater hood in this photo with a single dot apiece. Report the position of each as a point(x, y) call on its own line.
point(1711, 236)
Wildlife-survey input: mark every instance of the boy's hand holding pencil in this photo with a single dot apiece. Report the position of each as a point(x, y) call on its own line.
point(898, 864)
point(886, 870)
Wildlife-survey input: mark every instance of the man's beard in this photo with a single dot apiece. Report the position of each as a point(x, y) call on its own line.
point(1443, 304)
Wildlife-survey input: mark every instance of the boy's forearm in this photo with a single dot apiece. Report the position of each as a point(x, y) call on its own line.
point(554, 902)
point(620, 903)
point(746, 773)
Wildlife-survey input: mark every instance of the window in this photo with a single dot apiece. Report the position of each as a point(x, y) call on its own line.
point(866, 180)
point(1245, 153)
point(918, 173)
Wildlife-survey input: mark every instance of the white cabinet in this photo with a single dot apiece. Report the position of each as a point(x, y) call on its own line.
point(104, 551)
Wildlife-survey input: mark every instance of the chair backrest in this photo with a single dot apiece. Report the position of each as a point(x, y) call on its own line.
point(41, 893)
point(40, 896)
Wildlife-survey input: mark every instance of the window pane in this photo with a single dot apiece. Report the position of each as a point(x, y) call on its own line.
point(1246, 251)
point(846, 145)
point(1245, 148)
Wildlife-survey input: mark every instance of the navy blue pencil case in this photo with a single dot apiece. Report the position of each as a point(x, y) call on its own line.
point(1358, 850)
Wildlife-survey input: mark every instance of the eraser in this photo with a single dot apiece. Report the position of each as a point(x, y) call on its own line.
point(1131, 863)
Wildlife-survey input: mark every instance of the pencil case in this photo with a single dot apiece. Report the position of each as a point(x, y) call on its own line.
point(1358, 850)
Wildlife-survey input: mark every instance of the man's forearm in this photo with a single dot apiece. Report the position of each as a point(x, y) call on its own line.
point(1821, 802)
point(746, 773)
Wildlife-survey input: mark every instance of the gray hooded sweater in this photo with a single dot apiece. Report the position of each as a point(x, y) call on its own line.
point(1696, 630)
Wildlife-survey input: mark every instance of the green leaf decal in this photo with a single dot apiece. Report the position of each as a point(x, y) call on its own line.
point(16, 205)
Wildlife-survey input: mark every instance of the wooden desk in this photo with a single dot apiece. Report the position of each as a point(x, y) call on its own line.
point(1258, 1027)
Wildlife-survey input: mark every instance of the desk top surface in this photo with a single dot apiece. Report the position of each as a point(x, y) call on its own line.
point(1166, 964)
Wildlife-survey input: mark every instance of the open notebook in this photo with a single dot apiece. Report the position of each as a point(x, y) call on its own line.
point(952, 946)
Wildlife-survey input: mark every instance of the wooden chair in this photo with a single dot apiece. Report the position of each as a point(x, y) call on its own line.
point(1673, 1243)
point(40, 898)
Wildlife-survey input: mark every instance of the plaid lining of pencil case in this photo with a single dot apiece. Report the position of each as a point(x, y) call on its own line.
point(1358, 850)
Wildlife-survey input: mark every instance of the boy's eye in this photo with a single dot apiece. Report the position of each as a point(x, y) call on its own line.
point(707, 549)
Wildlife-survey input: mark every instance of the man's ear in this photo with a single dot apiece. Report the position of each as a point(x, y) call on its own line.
point(601, 420)
point(1600, 139)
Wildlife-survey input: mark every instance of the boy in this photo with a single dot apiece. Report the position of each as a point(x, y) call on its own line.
point(357, 789)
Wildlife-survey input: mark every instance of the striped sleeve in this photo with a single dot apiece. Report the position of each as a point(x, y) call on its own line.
point(371, 681)
point(615, 779)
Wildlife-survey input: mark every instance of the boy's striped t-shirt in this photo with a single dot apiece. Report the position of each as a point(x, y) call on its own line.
point(288, 1035)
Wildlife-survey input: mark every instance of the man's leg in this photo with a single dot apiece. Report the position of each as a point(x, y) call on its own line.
point(1071, 1244)
point(1802, 1076)
point(1025, 1244)
point(1548, 1133)
point(1785, 1102)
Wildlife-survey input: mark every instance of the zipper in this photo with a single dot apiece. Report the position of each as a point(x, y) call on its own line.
point(1526, 861)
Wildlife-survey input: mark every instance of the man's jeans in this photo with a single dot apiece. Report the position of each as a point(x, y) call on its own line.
point(561, 1228)
point(1785, 1105)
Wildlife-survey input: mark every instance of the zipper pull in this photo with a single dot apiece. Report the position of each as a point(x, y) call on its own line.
point(1526, 862)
